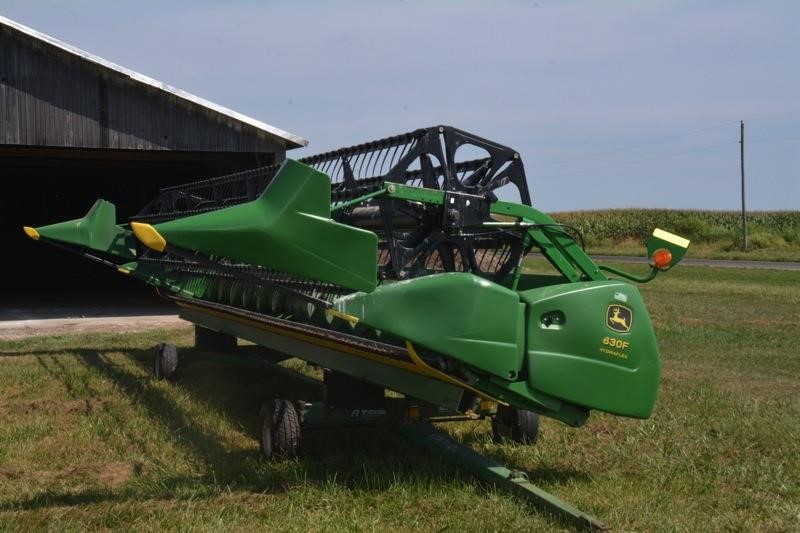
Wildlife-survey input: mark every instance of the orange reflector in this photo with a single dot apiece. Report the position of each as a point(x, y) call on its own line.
point(487, 405)
point(662, 258)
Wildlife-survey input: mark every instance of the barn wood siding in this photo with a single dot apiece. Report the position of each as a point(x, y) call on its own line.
point(49, 97)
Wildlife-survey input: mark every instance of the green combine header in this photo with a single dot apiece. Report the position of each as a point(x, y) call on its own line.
point(395, 265)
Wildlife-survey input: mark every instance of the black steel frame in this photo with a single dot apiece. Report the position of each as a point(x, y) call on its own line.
point(415, 239)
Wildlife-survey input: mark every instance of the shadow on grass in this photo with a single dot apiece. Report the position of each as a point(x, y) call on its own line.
point(505, 454)
point(361, 459)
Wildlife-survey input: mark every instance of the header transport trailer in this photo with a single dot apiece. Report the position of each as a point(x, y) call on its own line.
point(394, 265)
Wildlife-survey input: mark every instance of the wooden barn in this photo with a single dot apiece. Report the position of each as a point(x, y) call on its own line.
point(74, 128)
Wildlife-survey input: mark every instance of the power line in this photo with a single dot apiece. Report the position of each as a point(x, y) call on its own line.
point(625, 163)
point(660, 140)
point(780, 117)
point(775, 140)
point(630, 147)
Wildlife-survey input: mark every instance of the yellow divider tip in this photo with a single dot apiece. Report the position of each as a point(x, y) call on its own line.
point(352, 320)
point(31, 232)
point(149, 236)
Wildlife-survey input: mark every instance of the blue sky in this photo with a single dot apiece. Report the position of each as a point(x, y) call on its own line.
point(611, 104)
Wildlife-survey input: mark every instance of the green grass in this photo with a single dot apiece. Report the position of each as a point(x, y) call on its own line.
point(88, 440)
point(772, 235)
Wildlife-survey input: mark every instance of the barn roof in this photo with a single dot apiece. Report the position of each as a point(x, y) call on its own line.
point(289, 139)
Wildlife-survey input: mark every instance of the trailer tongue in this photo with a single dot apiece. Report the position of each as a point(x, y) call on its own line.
point(395, 265)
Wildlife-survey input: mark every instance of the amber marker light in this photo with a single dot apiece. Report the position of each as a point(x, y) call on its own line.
point(662, 258)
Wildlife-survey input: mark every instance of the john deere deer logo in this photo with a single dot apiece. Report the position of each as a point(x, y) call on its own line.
point(619, 318)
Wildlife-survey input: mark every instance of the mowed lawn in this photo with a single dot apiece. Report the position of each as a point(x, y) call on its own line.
point(89, 440)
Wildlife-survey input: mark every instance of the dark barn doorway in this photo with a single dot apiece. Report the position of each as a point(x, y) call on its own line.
point(74, 128)
point(43, 186)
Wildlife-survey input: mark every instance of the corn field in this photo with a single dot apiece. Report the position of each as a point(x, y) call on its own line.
point(767, 229)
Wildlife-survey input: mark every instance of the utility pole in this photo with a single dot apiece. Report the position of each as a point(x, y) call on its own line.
point(741, 165)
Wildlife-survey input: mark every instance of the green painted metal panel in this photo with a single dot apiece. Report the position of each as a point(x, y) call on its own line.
point(592, 344)
point(97, 230)
point(457, 314)
point(414, 385)
point(416, 194)
point(559, 248)
point(676, 246)
point(288, 229)
point(520, 395)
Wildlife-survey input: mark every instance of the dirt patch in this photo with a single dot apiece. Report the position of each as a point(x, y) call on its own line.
point(108, 475)
point(81, 406)
point(20, 329)
point(115, 475)
point(10, 473)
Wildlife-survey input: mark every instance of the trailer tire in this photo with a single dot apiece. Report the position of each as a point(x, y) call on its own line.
point(519, 425)
point(527, 429)
point(165, 362)
point(280, 429)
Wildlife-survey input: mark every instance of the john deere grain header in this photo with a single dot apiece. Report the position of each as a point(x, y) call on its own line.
point(395, 264)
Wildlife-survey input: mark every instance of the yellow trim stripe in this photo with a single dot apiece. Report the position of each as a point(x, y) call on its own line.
point(300, 336)
point(31, 232)
point(149, 236)
point(671, 238)
point(352, 320)
point(441, 376)
point(417, 366)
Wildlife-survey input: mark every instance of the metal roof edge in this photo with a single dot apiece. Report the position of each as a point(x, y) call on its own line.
point(141, 78)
